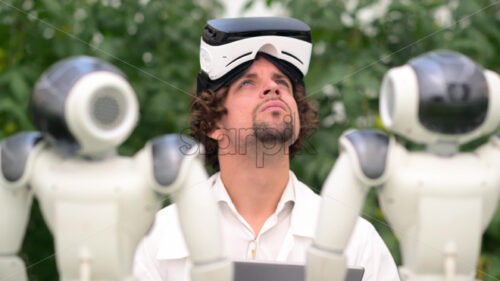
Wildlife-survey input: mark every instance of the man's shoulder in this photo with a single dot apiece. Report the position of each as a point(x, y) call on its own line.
point(305, 192)
point(166, 220)
point(168, 215)
point(365, 228)
point(166, 235)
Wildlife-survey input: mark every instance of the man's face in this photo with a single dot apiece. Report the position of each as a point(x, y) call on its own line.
point(260, 104)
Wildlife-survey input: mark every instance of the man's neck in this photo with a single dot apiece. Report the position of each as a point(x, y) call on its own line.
point(255, 184)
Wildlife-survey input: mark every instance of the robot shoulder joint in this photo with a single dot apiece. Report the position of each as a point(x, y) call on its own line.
point(371, 149)
point(15, 152)
point(169, 152)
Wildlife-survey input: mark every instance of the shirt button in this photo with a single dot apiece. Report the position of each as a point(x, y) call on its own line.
point(252, 249)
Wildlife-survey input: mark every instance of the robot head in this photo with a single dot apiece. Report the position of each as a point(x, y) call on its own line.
point(84, 105)
point(440, 96)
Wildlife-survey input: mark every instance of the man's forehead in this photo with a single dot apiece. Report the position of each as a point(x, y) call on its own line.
point(252, 71)
point(276, 75)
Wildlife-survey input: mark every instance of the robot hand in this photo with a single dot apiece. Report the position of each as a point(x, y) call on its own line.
point(178, 171)
point(361, 165)
point(325, 265)
point(16, 156)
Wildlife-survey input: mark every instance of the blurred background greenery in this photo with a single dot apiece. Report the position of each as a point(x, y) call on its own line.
point(155, 42)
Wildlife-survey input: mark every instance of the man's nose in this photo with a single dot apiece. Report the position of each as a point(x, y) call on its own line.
point(271, 88)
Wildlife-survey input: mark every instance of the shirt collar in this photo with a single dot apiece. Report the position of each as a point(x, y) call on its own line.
point(305, 212)
point(305, 208)
point(221, 195)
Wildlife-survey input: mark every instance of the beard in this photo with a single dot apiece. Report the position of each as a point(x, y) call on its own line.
point(268, 134)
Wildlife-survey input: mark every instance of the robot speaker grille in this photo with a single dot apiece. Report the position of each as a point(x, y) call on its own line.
point(107, 108)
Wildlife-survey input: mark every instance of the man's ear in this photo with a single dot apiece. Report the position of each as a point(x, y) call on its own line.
point(216, 133)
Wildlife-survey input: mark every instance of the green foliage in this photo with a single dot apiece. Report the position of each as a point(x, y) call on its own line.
point(156, 44)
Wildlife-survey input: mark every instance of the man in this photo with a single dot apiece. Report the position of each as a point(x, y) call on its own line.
point(252, 119)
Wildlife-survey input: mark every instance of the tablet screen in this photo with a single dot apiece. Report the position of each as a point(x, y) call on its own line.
point(268, 271)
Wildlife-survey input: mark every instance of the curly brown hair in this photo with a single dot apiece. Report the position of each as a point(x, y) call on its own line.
point(208, 107)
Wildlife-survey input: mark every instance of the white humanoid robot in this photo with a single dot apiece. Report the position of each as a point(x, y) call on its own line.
point(98, 205)
point(439, 201)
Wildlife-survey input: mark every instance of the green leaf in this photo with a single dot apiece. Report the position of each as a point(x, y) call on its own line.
point(19, 86)
point(248, 5)
point(52, 5)
point(16, 112)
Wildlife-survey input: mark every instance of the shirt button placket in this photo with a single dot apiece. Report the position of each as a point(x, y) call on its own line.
point(252, 249)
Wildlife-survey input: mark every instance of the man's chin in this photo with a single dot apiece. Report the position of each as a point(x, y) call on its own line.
point(273, 132)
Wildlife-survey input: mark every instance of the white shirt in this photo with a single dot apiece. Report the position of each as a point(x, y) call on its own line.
point(284, 237)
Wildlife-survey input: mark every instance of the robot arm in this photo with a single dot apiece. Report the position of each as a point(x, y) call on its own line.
point(490, 154)
point(16, 157)
point(361, 165)
point(178, 171)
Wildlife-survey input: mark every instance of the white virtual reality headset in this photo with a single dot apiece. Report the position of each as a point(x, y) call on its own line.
point(229, 46)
